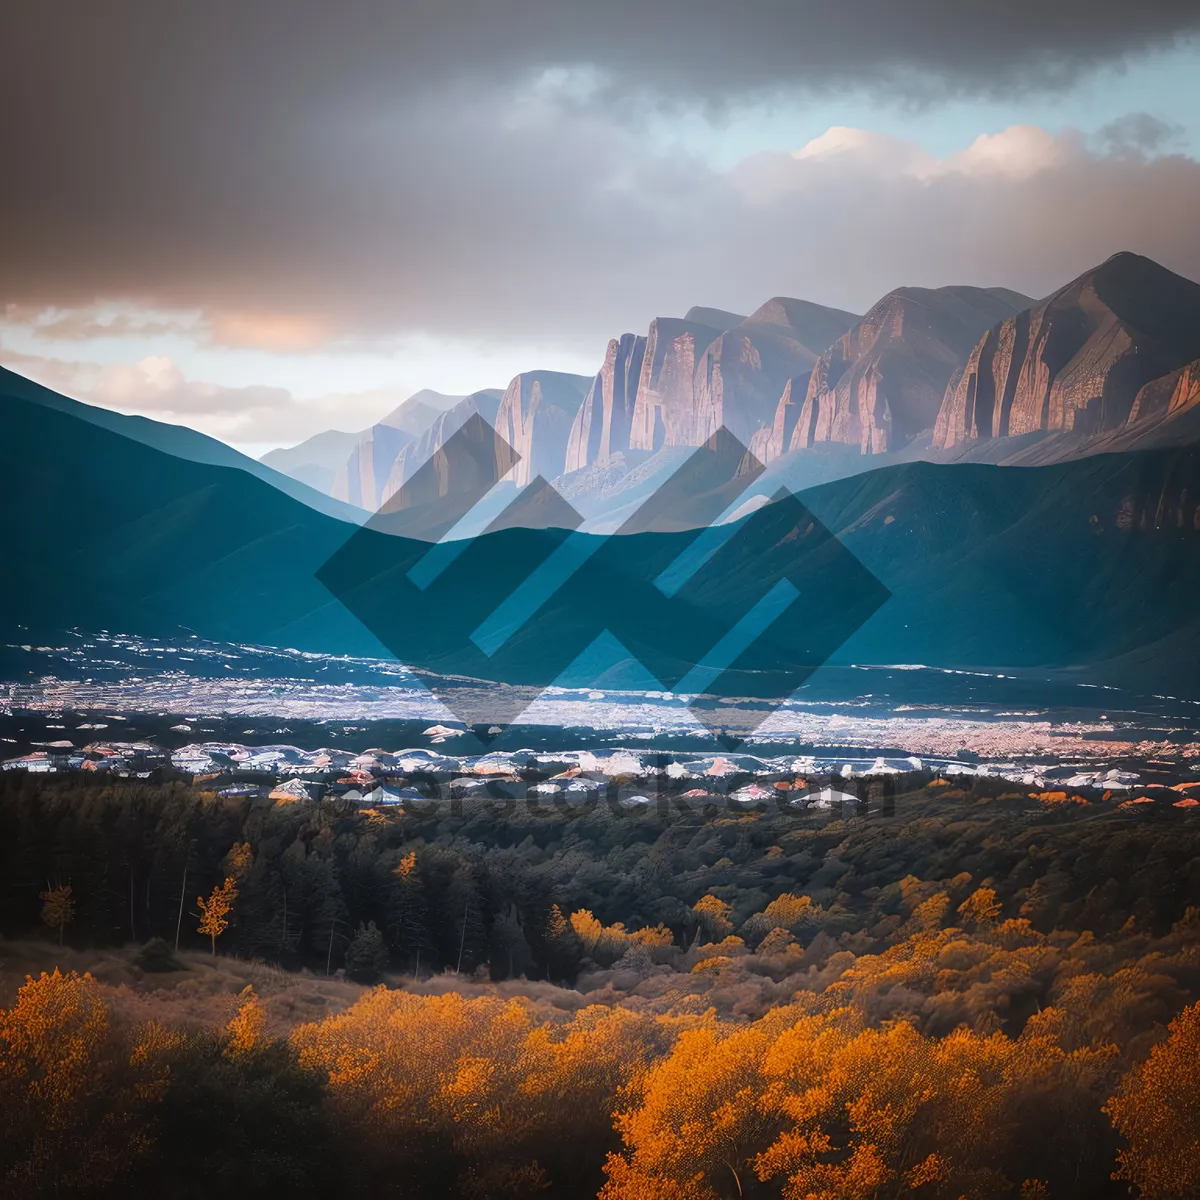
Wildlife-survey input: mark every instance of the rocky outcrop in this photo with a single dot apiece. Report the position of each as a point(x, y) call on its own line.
point(445, 425)
point(1168, 397)
point(740, 377)
point(775, 439)
point(361, 478)
point(535, 418)
point(419, 411)
point(883, 382)
point(605, 418)
point(1082, 360)
point(697, 377)
point(665, 413)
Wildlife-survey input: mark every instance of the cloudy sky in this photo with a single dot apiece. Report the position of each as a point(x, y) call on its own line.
point(268, 219)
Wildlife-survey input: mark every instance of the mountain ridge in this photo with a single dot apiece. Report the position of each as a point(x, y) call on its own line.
point(984, 562)
point(178, 440)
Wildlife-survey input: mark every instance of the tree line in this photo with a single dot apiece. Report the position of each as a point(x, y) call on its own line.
point(982, 995)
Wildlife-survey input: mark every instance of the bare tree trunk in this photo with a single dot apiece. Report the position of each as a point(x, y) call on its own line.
point(462, 941)
point(132, 929)
point(179, 919)
point(736, 1179)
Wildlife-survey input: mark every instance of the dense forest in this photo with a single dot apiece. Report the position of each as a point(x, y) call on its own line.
point(981, 993)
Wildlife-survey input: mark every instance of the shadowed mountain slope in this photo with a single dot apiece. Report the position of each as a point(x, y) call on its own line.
point(1093, 564)
point(177, 440)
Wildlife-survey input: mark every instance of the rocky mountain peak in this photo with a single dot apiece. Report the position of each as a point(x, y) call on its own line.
point(882, 382)
point(1077, 361)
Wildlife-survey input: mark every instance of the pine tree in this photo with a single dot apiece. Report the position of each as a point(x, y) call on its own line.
point(407, 911)
point(563, 948)
point(366, 956)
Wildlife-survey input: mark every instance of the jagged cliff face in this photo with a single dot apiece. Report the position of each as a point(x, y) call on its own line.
point(604, 421)
point(363, 478)
point(775, 439)
point(883, 382)
point(740, 377)
point(665, 413)
point(445, 425)
point(535, 417)
point(696, 378)
point(1081, 360)
point(1168, 397)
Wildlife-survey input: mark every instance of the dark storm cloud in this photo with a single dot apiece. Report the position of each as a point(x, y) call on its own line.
point(367, 167)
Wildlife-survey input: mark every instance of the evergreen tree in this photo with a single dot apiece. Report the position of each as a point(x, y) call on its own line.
point(366, 956)
point(408, 912)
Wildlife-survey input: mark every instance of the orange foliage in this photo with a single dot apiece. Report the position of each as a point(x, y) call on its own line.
point(72, 1091)
point(58, 908)
point(484, 1076)
point(214, 911)
point(1157, 1111)
point(239, 860)
point(244, 1031)
point(830, 1110)
point(713, 917)
point(606, 943)
point(980, 908)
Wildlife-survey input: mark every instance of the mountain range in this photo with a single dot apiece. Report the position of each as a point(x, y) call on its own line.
point(1046, 516)
point(1111, 361)
point(347, 465)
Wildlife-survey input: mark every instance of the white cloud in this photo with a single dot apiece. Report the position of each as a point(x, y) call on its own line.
point(1015, 153)
point(155, 386)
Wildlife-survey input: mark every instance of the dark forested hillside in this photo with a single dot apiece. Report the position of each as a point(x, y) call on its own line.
point(971, 995)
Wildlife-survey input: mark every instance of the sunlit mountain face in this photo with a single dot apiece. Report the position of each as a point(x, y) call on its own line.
point(600, 601)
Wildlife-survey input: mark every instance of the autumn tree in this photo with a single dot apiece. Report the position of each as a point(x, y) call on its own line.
point(445, 1087)
point(214, 912)
point(1157, 1111)
point(712, 917)
point(239, 860)
point(73, 1090)
point(245, 1029)
point(698, 1123)
point(787, 912)
point(58, 908)
point(981, 908)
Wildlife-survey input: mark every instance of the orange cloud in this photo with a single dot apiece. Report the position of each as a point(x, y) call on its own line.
point(269, 331)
